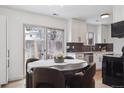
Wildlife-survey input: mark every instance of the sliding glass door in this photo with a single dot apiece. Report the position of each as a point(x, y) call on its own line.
point(35, 42)
point(55, 42)
point(43, 42)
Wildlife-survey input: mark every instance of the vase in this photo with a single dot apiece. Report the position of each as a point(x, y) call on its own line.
point(59, 60)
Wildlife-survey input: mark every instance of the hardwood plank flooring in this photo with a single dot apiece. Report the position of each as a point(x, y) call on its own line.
point(98, 80)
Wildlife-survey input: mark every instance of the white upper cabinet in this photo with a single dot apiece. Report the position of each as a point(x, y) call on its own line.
point(103, 33)
point(77, 31)
point(3, 50)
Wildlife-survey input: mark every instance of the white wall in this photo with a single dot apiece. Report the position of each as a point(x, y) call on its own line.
point(16, 19)
point(118, 15)
point(69, 34)
point(117, 42)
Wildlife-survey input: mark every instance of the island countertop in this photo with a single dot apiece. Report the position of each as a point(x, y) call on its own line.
point(114, 55)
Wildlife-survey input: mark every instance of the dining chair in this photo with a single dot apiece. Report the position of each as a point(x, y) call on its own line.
point(84, 80)
point(29, 76)
point(47, 78)
point(68, 57)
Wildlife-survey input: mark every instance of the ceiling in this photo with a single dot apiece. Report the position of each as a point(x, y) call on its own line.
point(90, 13)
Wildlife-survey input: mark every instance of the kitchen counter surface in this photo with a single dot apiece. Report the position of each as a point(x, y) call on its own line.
point(94, 52)
point(114, 55)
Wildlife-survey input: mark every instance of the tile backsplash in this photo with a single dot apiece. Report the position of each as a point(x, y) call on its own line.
point(80, 47)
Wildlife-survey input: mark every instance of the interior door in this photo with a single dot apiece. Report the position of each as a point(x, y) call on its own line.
point(3, 51)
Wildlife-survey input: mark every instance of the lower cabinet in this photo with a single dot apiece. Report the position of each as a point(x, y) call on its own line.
point(97, 57)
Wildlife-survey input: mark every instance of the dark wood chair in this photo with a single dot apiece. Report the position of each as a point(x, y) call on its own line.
point(84, 80)
point(47, 78)
point(29, 76)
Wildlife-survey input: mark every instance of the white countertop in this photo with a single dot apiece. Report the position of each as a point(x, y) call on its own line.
point(68, 64)
point(115, 55)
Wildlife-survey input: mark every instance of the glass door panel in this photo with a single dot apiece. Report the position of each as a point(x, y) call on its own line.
point(34, 42)
point(42, 42)
point(55, 42)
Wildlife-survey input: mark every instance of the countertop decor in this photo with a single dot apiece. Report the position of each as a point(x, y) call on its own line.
point(59, 58)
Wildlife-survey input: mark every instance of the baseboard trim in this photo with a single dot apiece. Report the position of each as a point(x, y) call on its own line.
point(15, 79)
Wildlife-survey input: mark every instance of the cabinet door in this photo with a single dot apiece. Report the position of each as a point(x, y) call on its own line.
point(3, 50)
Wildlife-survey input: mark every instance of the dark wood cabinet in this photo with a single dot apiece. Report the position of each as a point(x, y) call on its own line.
point(104, 46)
point(113, 71)
point(80, 47)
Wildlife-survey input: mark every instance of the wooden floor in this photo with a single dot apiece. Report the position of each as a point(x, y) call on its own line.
point(21, 83)
point(98, 80)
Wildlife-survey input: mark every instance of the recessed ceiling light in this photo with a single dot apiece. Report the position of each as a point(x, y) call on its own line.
point(105, 15)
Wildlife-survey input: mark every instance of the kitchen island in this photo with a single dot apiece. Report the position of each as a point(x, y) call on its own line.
point(113, 70)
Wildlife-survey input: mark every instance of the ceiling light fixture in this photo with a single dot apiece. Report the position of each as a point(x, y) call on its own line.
point(105, 15)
